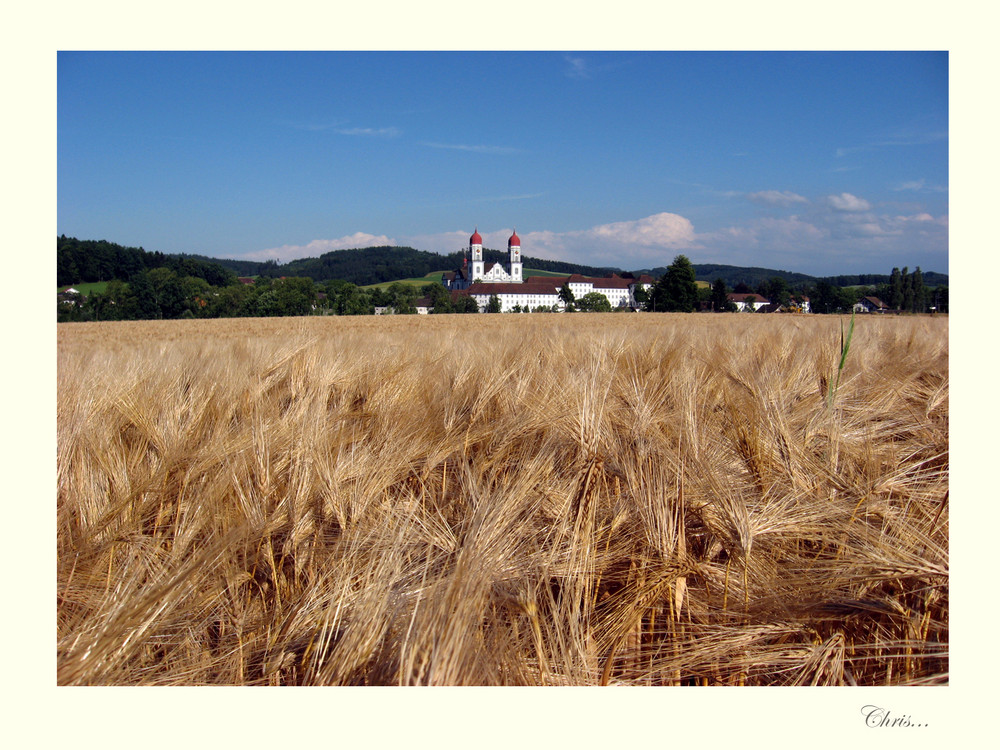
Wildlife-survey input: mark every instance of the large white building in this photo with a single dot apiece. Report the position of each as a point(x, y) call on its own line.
point(481, 281)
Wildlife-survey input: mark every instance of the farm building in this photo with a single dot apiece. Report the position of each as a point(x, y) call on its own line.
point(870, 304)
point(744, 300)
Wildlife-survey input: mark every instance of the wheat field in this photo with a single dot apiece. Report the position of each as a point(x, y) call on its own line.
point(610, 499)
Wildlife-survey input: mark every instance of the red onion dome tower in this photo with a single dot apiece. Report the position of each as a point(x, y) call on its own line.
point(476, 250)
point(514, 248)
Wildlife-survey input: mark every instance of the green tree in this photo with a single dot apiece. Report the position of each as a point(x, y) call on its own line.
point(146, 307)
point(593, 302)
point(494, 305)
point(295, 295)
point(778, 291)
point(232, 302)
point(919, 292)
point(640, 295)
point(566, 295)
point(466, 304)
point(895, 289)
point(825, 299)
point(168, 293)
point(676, 291)
point(268, 304)
point(907, 290)
point(720, 299)
point(939, 299)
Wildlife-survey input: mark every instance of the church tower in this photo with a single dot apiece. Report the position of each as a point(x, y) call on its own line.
point(514, 248)
point(476, 248)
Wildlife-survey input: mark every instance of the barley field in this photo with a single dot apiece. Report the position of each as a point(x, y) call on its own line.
point(695, 500)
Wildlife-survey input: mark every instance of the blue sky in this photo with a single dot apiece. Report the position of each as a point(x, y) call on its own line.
point(820, 163)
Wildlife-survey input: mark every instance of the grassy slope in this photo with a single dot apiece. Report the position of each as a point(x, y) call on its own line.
point(419, 281)
point(435, 276)
point(87, 288)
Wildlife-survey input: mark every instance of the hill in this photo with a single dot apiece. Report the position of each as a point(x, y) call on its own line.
point(88, 260)
point(376, 265)
point(83, 261)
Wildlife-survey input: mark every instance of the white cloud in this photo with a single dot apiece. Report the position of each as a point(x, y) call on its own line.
point(492, 198)
point(479, 149)
point(766, 232)
point(379, 132)
point(664, 230)
point(337, 127)
point(905, 137)
point(577, 67)
point(776, 197)
point(653, 240)
point(848, 202)
point(920, 186)
point(824, 240)
point(316, 248)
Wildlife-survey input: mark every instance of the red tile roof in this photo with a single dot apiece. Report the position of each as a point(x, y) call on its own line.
point(549, 286)
point(746, 297)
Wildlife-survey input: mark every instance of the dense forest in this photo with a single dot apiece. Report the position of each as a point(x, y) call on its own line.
point(152, 285)
point(81, 261)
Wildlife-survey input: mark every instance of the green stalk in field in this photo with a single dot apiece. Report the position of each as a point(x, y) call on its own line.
point(845, 345)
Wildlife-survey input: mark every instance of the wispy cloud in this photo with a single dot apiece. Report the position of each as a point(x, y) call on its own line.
point(480, 149)
point(650, 241)
point(491, 199)
point(587, 67)
point(313, 126)
point(316, 248)
point(903, 138)
point(337, 126)
point(576, 67)
point(377, 132)
point(776, 197)
point(848, 202)
point(920, 186)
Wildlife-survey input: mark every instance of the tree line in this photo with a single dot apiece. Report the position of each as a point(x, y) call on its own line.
point(677, 291)
point(148, 286)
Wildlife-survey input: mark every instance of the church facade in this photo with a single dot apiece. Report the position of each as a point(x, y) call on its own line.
point(487, 273)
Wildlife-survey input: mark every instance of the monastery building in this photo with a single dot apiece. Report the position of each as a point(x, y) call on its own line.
point(481, 281)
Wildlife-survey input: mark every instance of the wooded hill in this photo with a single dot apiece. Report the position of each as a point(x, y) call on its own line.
point(375, 265)
point(80, 261)
point(753, 276)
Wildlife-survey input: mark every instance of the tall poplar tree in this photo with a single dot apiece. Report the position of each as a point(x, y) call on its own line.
point(907, 290)
point(720, 300)
point(896, 289)
point(919, 292)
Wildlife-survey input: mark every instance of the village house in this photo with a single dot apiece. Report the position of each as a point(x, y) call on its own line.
point(743, 300)
point(870, 305)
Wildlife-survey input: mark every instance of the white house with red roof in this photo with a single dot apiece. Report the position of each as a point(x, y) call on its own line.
point(481, 281)
point(746, 300)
